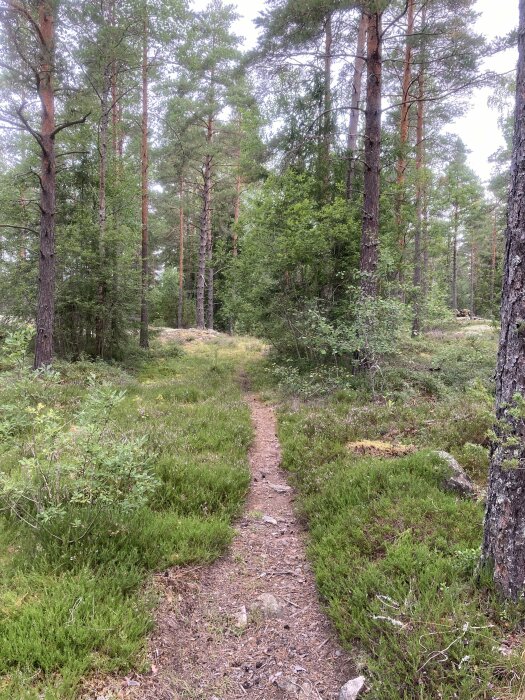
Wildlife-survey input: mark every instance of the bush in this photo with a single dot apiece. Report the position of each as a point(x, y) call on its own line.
point(15, 346)
point(369, 332)
point(72, 473)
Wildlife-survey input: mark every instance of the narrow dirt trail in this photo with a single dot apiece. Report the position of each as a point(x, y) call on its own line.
point(216, 639)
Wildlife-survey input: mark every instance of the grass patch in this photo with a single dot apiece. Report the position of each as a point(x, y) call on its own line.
point(69, 610)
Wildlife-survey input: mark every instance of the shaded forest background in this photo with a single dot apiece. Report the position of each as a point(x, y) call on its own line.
point(286, 192)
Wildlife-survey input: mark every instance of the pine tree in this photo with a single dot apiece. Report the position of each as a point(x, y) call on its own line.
point(38, 56)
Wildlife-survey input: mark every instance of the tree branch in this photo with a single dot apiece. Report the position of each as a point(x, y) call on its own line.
point(35, 134)
point(20, 228)
point(66, 125)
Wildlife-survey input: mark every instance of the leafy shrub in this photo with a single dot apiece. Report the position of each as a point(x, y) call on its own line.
point(436, 313)
point(15, 346)
point(370, 330)
point(310, 382)
point(73, 472)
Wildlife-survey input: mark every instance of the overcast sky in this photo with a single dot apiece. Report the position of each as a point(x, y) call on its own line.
point(479, 128)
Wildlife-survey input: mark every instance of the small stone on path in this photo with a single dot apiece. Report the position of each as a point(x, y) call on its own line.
point(280, 488)
point(242, 618)
point(268, 605)
point(286, 685)
point(352, 689)
point(269, 520)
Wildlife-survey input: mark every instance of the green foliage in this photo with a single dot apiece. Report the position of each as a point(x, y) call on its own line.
point(72, 472)
point(15, 346)
point(371, 332)
point(435, 311)
point(286, 286)
point(164, 298)
point(393, 559)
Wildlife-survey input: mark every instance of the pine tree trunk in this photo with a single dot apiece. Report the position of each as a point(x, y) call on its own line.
point(209, 231)
point(404, 125)
point(420, 161)
point(201, 273)
point(353, 126)
point(427, 281)
point(236, 215)
point(180, 309)
point(102, 210)
point(504, 540)
point(326, 140)
point(144, 320)
point(494, 258)
point(370, 233)
point(454, 292)
point(114, 90)
point(473, 255)
point(120, 136)
point(209, 264)
point(237, 204)
point(46, 272)
point(205, 273)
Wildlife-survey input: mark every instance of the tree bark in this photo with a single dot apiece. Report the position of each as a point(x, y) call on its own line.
point(353, 126)
point(205, 277)
point(144, 320)
point(114, 90)
point(420, 162)
point(201, 273)
point(494, 258)
point(504, 539)
point(208, 172)
point(370, 233)
point(236, 215)
point(105, 108)
point(404, 125)
point(454, 291)
point(46, 270)
point(237, 204)
point(473, 257)
point(427, 281)
point(326, 140)
point(180, 310)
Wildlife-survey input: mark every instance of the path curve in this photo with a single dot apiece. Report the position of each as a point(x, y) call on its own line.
point(204, 649)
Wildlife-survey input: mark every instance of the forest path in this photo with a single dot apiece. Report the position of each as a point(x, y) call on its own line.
point(216, 638)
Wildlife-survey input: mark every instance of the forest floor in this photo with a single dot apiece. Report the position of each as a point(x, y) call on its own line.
point(300, 535)
point(250, 625)
point(394, 553)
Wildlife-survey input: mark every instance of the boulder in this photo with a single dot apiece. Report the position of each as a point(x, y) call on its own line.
point(458, 481)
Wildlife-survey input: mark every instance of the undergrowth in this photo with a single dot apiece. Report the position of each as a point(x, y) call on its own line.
point(93, 500)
